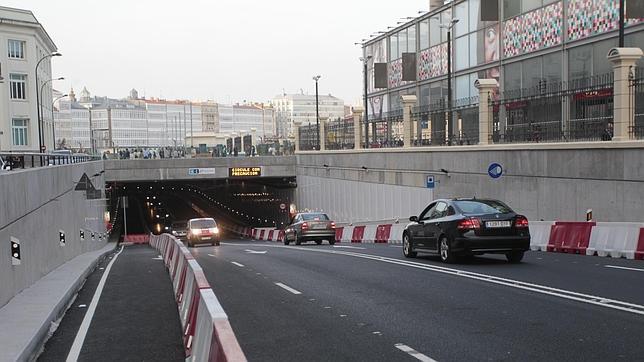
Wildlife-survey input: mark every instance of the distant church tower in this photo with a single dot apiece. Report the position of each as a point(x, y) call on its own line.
point(134, 94)
point(85, 97)
point(72, 96)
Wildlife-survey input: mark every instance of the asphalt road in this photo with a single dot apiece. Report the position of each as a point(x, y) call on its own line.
point(367, 302)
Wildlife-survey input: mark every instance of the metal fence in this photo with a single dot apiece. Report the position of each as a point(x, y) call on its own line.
point(385, 129)
point(431, 123)
point(309, 137)
point(15, 161)
point(578, 110)
point(340, 134)
point(636, 128)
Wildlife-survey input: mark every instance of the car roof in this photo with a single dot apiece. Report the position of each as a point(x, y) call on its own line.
point(202, 218)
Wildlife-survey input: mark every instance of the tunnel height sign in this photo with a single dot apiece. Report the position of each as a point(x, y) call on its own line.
point(244, 171)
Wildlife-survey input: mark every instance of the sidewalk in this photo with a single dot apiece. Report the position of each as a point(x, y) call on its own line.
point(136, 316)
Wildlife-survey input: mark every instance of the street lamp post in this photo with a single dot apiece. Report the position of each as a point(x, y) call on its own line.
point(449, 27)
point(40, 133)
point(53, 122)
point(365, 63)
point(42, 87)
point(317, 109)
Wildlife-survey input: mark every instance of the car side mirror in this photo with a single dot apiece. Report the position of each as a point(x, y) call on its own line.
point(413, 218)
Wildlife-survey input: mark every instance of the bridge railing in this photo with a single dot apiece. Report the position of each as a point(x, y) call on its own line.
point(16, 161)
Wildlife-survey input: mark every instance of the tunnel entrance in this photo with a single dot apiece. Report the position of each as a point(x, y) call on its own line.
point(256, 202)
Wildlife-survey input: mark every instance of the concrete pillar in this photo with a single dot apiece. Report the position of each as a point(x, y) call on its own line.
point(357, 127)
point(253, 138)
point(486, 88)
point(322, 130)
point(408, 102)
point(296, 130)
point(242, 133)
point(623, 60)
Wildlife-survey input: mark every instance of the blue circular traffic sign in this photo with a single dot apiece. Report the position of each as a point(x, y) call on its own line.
point(495, 170)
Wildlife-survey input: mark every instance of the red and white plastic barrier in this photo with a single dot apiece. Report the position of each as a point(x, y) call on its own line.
point(207, 334)
point(617, 240)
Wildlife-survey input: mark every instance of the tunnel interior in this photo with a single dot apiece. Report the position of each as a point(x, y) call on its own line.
point(155, 206)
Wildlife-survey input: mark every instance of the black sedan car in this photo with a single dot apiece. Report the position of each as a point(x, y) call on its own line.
point(451, 228)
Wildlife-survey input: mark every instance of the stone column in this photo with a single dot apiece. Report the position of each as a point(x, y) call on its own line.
point(242, 133)
point(408, 102)
point(623, 60)
point(486, 88)
point(357, 127)
point(296, 131)
point(253, 138)
point(322, 131)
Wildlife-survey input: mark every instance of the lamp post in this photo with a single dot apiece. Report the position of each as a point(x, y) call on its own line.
point(449, 27)
point(365, 64)
point(42, 87)
point(53, 122)
point(40, 133)
point(317, 109)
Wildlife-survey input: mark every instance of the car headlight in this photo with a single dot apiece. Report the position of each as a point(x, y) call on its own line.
point(174, 233)
point(167, 228)
point(214, 230)
point(196, 231)
point(157, 216)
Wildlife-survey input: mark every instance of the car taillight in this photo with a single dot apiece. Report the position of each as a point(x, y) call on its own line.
point(332, 225)
point(305, 225)
point(469, 224)
point(214, 230)
point(521, 222)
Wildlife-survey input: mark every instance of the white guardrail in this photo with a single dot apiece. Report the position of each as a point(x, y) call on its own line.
point(207, 334)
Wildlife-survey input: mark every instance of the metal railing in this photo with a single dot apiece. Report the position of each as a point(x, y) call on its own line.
point(636, 128)
point(573, 111)
point(340, 134)
point(309, 137)
point(15, 161)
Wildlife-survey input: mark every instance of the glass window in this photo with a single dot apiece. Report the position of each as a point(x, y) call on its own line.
point(512, 76)
point(16, 49)
point(393, 47)
point(635, 40)
point(529, 5)
point(402, 43)
point(475, 6)
point(460, 13)
point(411, 39)
point(580, 62)
point(315, 217)
point(424, 95)
point(19, 132)
point(424, 34)
point(511, 8)
point(462, 87)
point(439, 211)
point(601, 65)
point(552, 68)
point(461, 54)
point(482, 207)
point(473, 49)
point(434, 31)
point(531, 72)
point(473, 78)
point(446, 18)
point(18, 86)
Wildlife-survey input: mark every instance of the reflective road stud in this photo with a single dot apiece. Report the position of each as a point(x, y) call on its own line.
point(82, 234)
point(15, 251)
point(93, 236)
point(61, 237)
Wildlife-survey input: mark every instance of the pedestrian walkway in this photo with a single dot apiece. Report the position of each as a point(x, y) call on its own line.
point(126, 311)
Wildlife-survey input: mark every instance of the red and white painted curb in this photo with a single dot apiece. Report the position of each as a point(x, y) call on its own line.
point(207, 334)
point(614, 239)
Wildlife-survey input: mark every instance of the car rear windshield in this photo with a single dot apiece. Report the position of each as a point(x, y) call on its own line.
point(315, 217)
point(179, 225)
point(203, 224)
point(482, 207)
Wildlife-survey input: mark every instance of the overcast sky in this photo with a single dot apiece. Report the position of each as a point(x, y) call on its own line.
point(225, 50)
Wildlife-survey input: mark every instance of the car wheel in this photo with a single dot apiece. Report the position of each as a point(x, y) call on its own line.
point(286, 242)
point(319, 242)
point(445, 250)
point(408, 252)
point(332, 241)
point(515, 256)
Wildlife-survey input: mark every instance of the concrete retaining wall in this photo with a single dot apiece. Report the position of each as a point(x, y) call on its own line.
point(542, 181)
point(34, 205)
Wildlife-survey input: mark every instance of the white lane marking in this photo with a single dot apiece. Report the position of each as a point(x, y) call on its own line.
point(256, 252)
point(395, 246)
point(537, 288)
point(284, 286)
point(158, 258)
point(624, 268)
point(414, 353)
point(74, 352)
point(212, 255)
point(348, 247)
point(238, 264)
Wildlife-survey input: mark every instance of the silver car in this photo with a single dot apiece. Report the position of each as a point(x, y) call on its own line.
point(310, 226)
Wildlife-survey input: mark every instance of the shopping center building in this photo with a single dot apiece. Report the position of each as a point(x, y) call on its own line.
point(549, 58)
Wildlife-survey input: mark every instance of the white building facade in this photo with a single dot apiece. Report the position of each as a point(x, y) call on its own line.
point(23, 43)
point(290, 108)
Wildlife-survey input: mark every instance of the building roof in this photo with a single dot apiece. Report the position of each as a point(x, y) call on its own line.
point(21, 17)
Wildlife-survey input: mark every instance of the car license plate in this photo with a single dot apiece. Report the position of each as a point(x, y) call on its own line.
point(206, 238)
point(497, 224)
point(319, 226)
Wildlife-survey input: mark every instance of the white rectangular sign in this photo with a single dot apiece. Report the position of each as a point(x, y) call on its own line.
point(200, 171)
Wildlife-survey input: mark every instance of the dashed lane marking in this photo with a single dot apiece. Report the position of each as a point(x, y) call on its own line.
point(414, 353)
point(238, 264)
point(624, 268)
point(286, 287)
